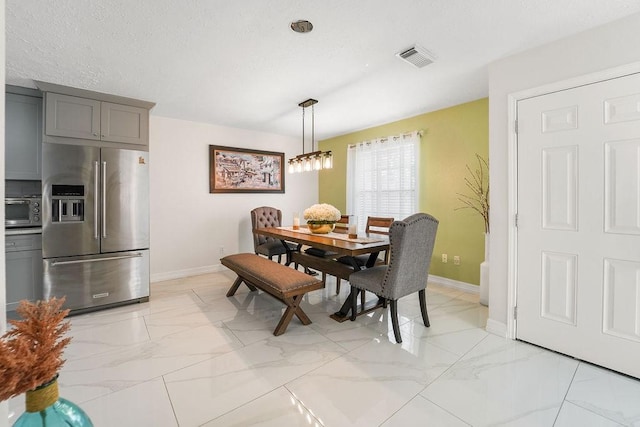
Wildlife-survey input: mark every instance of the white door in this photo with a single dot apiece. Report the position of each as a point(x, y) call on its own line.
point(578, 283)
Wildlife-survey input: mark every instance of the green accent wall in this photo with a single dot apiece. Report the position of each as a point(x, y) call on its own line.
point(450, 141)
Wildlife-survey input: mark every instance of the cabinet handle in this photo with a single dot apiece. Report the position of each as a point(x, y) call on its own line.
point(95, 134)
point(10, 244)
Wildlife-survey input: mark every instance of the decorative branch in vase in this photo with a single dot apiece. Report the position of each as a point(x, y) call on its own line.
point(30, 359)
point(478, 182)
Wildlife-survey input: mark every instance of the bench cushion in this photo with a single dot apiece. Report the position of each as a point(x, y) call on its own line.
point(281, 279)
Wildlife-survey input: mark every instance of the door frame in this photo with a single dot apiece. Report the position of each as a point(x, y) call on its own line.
point(512, 170)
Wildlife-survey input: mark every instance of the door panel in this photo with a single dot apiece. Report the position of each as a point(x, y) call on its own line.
point(124, 123)
point(622, 299)
point(126, 209)
point(23, 137)
point(69, 165)
point(578, 282)
point(72, 116)
point(96, 280)
point(559, 188)
point(622, 187)
point(559, 287)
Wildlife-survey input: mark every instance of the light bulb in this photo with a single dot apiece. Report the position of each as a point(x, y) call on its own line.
point(328, 160)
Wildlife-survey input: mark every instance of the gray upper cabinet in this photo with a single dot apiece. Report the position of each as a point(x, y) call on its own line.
point(74, 117)
point(93, 116)
point(23, 137)
point(124, 123)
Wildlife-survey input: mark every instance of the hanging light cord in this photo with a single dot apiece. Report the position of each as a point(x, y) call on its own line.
point(320, 159)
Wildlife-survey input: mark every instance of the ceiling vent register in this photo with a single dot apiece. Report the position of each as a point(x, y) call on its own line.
point(417, 56)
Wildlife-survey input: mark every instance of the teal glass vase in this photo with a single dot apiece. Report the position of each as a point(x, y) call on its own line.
point(44, 407)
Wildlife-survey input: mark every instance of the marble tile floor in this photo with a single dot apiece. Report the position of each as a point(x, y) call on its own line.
point(192, 357)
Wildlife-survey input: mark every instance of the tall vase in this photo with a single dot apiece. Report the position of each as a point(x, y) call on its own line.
point(44, 407)
point(484, 273)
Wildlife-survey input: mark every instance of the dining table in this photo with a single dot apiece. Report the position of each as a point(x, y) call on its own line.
point(340, 244)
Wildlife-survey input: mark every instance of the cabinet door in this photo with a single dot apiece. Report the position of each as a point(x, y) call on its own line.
point(24, 277)
point(23, 137)
point(125, 124)
point(72, 117)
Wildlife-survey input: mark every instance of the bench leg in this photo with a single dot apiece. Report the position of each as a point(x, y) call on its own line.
point(232, 290)
point(293, 307)
point(301, 315)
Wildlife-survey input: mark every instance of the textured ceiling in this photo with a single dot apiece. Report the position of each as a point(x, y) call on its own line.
point(237, 63)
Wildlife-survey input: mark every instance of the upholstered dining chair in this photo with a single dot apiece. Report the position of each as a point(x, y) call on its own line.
point(411, 244)
point(263, 217)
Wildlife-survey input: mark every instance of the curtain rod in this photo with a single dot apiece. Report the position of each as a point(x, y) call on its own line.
point(386, 138)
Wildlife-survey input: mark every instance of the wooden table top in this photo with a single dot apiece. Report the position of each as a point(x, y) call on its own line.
point(336, 242)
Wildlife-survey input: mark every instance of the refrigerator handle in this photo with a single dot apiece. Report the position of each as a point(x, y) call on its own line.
point(84, 261)
point(104, 199)
point(95, 199)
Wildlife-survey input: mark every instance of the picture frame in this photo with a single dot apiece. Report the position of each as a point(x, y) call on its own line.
point(242, 170)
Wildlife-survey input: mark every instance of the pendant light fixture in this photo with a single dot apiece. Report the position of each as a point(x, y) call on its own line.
point(315, 160)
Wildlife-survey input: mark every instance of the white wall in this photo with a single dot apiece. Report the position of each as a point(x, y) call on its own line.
point(188, 224)
point(611, 45)
point(4, 412)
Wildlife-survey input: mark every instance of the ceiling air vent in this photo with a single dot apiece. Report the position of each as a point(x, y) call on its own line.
point(417, 56)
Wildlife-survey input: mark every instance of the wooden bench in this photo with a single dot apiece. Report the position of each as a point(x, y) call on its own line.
point(281, 282)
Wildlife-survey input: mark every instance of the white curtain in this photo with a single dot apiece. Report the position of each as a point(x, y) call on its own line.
point(382, 177)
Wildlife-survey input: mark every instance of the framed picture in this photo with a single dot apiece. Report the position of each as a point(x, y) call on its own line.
point(240, 170)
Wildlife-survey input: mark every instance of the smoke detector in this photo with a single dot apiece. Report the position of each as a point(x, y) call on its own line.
point(417, 56)
point(302, 26)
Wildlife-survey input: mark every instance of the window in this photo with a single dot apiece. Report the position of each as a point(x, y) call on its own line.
point(382, 177)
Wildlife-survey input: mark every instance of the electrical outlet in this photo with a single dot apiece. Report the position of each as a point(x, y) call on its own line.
point(456, 260)
point(221, 250)
point(444, 258)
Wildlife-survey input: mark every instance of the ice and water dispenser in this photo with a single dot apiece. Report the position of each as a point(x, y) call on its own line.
point(67, 203)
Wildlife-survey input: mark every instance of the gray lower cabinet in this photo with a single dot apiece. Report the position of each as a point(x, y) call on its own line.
point(23, 269)
point(23, 137)
point(76, 117)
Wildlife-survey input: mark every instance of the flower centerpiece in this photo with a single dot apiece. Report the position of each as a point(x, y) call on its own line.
point(30, 358)
point(321, 218)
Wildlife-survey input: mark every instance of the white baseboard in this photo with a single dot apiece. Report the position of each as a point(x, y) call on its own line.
point(179, 274)
point(455, 284)
point(496, 328)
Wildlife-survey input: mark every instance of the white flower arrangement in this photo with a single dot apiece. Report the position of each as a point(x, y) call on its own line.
point(322, 214)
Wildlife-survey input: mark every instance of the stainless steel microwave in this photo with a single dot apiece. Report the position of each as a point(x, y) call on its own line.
point(25, 211)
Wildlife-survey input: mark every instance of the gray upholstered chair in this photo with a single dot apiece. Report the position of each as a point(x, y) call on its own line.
point(411, 246)
point(263, 217)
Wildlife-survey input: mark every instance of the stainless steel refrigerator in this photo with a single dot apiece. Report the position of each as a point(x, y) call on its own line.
point(95, 232)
